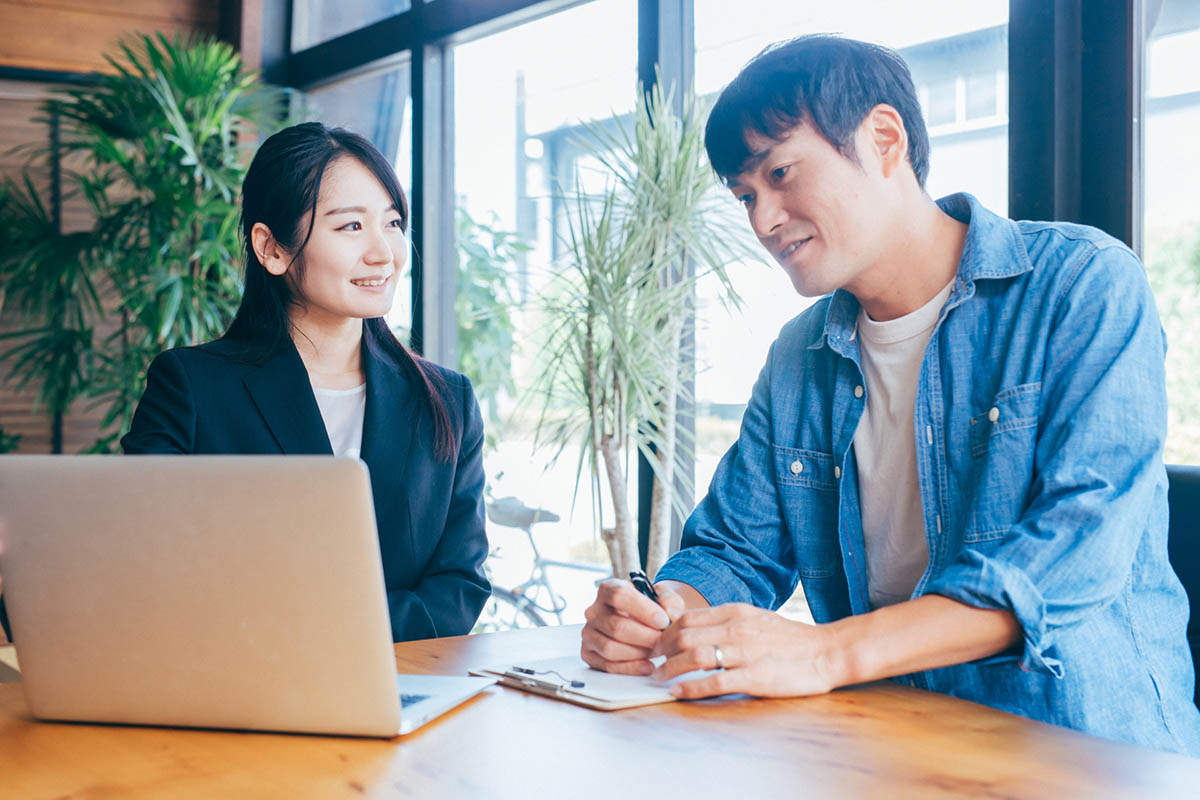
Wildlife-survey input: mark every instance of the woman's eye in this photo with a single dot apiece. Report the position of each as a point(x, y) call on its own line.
point(351, 226)
point(745, 199)
point(396, 223)
point(778, 173)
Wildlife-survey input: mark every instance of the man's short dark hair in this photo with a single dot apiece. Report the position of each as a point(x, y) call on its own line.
point(827, 81)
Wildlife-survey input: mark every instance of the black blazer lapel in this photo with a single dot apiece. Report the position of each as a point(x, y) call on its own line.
point(281, 390)
point(388, 423)
point(388, 431)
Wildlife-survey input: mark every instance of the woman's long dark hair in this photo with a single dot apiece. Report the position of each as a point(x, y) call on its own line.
point(280, 191)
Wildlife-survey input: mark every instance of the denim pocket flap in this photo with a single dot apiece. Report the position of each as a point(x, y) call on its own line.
point(1014, 409)
point(796, 467)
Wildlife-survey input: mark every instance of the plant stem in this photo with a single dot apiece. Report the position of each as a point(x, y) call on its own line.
point(617, 539)
point(662, 498)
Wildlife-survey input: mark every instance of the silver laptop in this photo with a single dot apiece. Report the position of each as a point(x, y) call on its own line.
point(241, 592)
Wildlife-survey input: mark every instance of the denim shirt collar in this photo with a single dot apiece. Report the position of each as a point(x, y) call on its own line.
point(993, 249)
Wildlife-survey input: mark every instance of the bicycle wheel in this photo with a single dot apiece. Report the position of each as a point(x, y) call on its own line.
point(505, 611)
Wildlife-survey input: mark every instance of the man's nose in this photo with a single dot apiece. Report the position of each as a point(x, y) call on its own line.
point(767, 215)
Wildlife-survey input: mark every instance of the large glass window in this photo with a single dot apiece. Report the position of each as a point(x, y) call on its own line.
point(316, 21)
point(520, 99)
point(377, 104)
point(1172, 210)
point(958, 54)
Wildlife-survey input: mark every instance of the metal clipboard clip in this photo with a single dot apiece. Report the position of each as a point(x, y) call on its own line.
point(528, 677)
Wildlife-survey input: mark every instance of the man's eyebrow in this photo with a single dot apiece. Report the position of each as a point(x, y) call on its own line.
point(755, 158)
point(751, 163)
point(355, 210)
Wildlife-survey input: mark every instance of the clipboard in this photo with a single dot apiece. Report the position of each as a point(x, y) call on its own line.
point(570, 679)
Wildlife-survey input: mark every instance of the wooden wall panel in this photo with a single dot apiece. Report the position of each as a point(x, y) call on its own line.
point(73, 35)
point(19, 103)
point(19, 110)
point(68, 36)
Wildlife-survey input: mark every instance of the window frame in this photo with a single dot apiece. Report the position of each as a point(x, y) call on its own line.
point(1074, 143)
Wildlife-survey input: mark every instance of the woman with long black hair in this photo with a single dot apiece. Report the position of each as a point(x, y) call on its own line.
point(309, 366)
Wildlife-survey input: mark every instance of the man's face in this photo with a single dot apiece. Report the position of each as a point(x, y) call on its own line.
point(816, 211)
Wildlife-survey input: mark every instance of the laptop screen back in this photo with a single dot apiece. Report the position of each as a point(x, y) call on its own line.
point(214, 591)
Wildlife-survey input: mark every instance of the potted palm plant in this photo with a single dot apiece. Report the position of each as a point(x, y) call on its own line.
point(616, 362)
point(160, 147)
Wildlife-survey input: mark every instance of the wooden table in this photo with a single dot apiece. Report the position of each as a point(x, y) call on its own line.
point(878, 741)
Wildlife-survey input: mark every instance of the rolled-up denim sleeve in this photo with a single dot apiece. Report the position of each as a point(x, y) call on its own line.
point(732, 549)
point(1097, 464)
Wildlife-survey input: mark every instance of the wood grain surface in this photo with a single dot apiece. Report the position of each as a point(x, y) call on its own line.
point(74, 35)
point(878, 741)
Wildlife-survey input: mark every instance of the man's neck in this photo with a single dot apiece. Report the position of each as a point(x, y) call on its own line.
point(330, 349)
point(923, 253)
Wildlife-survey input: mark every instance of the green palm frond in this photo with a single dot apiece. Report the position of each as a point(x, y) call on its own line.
point(157, 150)
point(615, 364)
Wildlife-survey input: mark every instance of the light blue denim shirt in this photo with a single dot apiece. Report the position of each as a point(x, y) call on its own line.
point(1040, 416)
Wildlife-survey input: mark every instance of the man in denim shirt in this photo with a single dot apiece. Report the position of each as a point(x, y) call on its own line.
point(957, 450)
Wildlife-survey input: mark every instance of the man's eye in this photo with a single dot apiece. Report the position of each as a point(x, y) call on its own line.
point(745, 199)
point(351, 226)
point(778, 173)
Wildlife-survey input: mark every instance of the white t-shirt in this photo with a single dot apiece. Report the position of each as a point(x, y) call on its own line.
point(885, 451)
point(343, 411)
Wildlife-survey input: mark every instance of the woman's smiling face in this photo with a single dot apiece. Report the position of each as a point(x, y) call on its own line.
point(352, 260)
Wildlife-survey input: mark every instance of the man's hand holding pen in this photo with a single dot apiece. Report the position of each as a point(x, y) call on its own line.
point(624, 625)
point(756, 651)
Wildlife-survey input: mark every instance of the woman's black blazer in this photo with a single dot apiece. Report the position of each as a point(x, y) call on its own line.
point(429, 512)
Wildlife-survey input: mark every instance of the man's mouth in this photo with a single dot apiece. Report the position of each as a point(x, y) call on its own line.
point(793, 247)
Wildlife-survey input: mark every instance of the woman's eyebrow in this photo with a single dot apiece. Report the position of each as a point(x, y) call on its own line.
point(356, 210)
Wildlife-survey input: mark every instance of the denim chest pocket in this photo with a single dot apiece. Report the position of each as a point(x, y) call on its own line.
point(1014, 409)
point(796, 467)
point(1002, 442)
point(807, 481)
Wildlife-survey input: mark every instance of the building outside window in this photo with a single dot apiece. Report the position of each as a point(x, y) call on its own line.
point(520, 99)
point(1172, 210)
point(958, 54)
point(377, 103)
point(317, 21)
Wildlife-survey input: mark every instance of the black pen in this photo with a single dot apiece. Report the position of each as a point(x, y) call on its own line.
point(643, 585)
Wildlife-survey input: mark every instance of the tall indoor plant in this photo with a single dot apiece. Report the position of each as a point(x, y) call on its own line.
point(159, 148)
point(483, 306)
point(617, 361)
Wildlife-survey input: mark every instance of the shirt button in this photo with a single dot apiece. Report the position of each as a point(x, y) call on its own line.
point(797, 467)
point(837, 472)
point(994, 414)
point(858, 391)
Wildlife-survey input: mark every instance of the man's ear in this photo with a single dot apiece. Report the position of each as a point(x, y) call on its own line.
point(273, 257)
point(884, 128)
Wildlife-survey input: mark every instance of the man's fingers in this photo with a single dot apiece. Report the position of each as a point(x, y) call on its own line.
point(725, 682)
point(679, 664)
point(702, 656)
point(610, 649)
point(622, 628)
point(620, 596)
point(637, 666)
point(672, 602)
point(691, 631)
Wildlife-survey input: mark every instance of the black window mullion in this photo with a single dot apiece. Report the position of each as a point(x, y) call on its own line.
point(417, 197)
point(666, 46)
point(1111, 104)
point(1074, 105)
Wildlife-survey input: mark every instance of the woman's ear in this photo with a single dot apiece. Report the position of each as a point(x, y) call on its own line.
point(270, 254)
